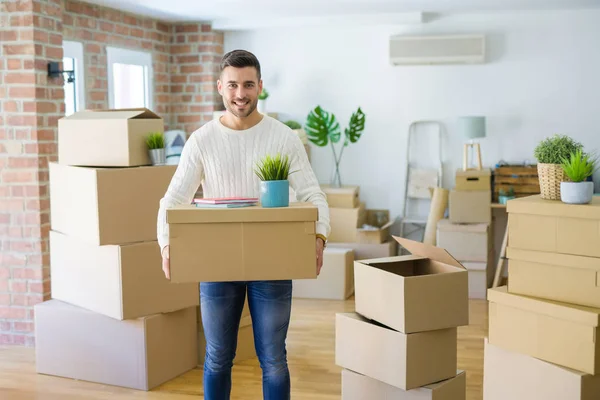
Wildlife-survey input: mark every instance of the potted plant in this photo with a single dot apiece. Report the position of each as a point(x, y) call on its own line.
point(273, 173)
point(578, 167)
point(297, 128)
point(156, 147)
point(262, 101)
point(550, 153)
point(505, 195)
point(322, 128)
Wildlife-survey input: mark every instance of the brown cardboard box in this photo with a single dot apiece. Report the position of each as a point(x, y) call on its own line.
point(401, 360)
point(554, 226)
point(513, 376)
point(423, 291)
point(245, 343)
point(107, 205)
point(553, 276)
point(375, 236)
point(345, 222)
point(107, 138)
point(470, 207)
point(242, 244)
point(142, 353)
point(344, 197)
point(122, 282)
point(551, 331)
point(336, 280)
point(474, 180)
point(360, 387)
point(365, 251)
point(465, 242)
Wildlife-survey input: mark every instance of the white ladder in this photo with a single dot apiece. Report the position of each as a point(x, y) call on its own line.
point(418, 181)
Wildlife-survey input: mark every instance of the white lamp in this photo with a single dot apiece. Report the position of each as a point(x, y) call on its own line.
point(472, 128)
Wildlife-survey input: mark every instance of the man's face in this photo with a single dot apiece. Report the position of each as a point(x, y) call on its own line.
point(240, 88)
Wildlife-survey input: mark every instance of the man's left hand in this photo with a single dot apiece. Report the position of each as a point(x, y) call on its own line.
point(320, 246)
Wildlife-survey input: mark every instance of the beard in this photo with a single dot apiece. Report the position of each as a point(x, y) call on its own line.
point(249, 107)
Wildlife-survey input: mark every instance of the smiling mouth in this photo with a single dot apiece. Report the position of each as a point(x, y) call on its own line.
point(241, 103)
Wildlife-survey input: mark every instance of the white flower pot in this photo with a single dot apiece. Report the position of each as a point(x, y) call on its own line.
point(576, 192)
point(262, 106)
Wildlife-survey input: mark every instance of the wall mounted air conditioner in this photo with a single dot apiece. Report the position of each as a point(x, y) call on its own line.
point(440, 49)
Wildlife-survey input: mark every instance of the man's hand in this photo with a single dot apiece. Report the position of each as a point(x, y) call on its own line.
point(320, 246)
point(166, 267)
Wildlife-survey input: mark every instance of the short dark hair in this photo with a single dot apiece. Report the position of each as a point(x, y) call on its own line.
point(240, 59)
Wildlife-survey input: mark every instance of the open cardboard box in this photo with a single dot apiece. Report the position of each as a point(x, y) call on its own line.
point(424, 291)
point(242, 244)
point(554, 276)
point(375, 236)
point(406, 361)
point(559, 333)
point(107, 138)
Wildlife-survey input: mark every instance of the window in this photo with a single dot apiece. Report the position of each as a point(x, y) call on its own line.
point(74, 91)
point(129, 83)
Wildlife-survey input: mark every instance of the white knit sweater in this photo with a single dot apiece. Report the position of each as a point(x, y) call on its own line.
point(222, 160)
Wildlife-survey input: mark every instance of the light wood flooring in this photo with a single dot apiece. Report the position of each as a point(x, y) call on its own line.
point(311, 355)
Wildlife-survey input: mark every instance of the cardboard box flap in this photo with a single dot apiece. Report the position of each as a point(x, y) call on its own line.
point(535, 205)
point(189, 214)
point(569, 312)
point(558, 259)
point(428, 251)
point(347, 190)
point(447, 226)
point(474, 173)
point(125, 113)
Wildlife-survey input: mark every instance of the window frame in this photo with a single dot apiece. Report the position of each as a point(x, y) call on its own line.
point(74, 50)
point(135, 57)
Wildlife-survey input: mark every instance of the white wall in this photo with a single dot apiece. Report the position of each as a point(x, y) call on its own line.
point(542, 77)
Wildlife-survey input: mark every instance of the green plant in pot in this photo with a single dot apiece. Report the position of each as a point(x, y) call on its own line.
point(550, 153)
point(273, 172)
point(506, 194)
point(156, 148)
point(578, 167)
point(322, 128)
point(262, 101)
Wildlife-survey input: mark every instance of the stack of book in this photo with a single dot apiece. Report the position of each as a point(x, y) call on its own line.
point(226, 202)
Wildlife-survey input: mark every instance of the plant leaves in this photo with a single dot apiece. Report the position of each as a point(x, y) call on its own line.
point(271, 168)
point(322, 127)
point(356, 127)
point(579, 166)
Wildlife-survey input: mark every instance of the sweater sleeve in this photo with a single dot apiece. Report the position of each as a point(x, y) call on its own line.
point(305, 183)
point(182, 188)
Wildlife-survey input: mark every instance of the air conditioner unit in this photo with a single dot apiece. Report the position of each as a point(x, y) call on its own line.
point(445, 49)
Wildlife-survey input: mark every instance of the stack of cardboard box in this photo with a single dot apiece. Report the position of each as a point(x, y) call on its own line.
point(543, 327)
point(467, 233)
point(113, 318)
point(401, 342)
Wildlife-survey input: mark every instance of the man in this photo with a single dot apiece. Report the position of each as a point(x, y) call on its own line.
point(221, 156)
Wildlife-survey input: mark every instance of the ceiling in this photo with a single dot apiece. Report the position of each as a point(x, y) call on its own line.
point(252, 14)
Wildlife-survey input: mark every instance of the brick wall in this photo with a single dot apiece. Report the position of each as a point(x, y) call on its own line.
point(31, 35)
point(30, 103)
point(196, 52)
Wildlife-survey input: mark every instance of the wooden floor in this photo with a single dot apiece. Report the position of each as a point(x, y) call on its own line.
point(311, 355)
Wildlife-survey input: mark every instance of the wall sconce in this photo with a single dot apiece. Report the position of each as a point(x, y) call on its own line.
point(54, 71)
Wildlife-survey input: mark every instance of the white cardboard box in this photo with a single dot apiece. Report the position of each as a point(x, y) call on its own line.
point(336, 280)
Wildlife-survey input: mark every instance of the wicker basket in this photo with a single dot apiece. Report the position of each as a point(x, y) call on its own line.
point(551, 175)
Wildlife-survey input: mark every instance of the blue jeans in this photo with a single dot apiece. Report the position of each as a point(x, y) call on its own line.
point(221, 308)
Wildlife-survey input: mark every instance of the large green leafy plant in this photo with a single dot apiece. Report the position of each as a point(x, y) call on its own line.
point(322, 128)
point(579, 166)
point(554, 149)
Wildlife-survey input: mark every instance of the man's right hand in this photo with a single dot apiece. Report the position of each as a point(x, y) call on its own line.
point(165, 262)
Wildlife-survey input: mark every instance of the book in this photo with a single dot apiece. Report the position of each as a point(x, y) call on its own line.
point(231, 205)
point(226, 200)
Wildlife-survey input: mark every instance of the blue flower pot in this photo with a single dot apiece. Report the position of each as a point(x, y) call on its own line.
point(275, 193)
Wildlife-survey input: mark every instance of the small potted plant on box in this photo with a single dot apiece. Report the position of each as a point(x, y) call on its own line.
point(505, 195)
point(550, 153)
point(262, 101)
point(578, 167)
point(273, 173)
point(156, 147)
